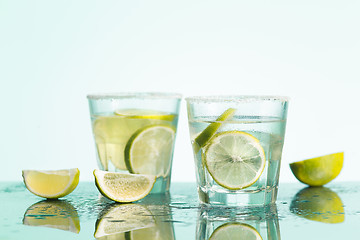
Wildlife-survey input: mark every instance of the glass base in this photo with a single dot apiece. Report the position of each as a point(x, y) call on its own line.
point(238, 198)
point(162, 185)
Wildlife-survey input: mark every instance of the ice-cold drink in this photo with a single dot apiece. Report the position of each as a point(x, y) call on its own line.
point(135, 140)
point(237, 152)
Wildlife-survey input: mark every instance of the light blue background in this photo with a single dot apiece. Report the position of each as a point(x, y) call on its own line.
point(53, 53)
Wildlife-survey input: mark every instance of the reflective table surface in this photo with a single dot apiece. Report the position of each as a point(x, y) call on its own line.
point(331, 212)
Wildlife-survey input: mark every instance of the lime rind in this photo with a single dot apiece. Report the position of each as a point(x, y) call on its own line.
point(235, 230)
point(123, 187)
point(318, 171)
point(234, 159)
point(149, 150)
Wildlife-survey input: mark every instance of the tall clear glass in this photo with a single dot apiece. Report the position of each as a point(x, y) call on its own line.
point(135, 133)
point(237, 143)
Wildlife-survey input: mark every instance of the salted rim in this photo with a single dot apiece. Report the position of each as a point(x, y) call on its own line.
point(236, 98)
point(151, 95)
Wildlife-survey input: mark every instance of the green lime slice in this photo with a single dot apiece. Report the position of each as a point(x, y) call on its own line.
point(234, 159)
point(118, 220)
point(145, 113)
point(149, 150)
point(203, 138)
point(318, 171)
point(235, 230)
point(123, 187)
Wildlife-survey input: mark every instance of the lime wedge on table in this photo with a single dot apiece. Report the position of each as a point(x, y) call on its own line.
point(57, 214)
point(202, 139)
point(51, 184)
point(123, 187)
point(116, 222)
point(149, 150)
point(234, 159)
point(235, 230)
point(145, 113)
point(318, 171)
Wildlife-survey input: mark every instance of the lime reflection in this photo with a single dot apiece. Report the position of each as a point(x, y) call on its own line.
point(319, 204)
point(238, 223)
point(59, 214)
point(134, 221)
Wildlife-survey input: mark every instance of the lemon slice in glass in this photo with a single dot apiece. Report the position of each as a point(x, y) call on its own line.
point(149, 150)
point(145, 113)
point(234, 159)
point(118, 220)
point(123, 187)
point(51, 184)
point(235, 230)
point(318, 171)
point(203, 138)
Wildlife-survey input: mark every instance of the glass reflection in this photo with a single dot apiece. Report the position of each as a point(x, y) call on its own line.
point(319, 204)
point(134, 221)
point(59, 214)
point(238, 223)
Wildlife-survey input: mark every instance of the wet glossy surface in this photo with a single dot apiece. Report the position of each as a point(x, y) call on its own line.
point(300, 213)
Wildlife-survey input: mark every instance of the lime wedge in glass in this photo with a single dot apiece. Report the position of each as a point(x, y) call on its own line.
point(203, 138)
point(234, 159)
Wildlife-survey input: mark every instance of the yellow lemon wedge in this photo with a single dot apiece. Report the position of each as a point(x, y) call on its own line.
point(51, 184)
point(318, 171)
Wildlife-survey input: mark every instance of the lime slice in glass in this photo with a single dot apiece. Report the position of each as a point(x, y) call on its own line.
point(235, 230)
point(51, 184)
point(149, 150)
point(318, 171)
point(234, 159)
point(123, 187)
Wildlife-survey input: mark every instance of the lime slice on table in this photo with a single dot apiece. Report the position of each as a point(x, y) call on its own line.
point(203, 138)
point(145, 113)
point(318, 171)
point(53, 214)
point(235, 230)
point(234, 159)
point(123, 187)
point(149, 150)
point(51, 184)
point(118, 220)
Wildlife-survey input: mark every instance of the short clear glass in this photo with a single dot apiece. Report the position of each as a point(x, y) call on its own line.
point(237, 143)
point(135, 133)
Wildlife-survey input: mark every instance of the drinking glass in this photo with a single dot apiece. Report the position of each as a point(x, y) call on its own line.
point(237, 143)
point(135, 133)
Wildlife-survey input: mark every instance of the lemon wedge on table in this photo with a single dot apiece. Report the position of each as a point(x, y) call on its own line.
point(234, 159)
point(318, 171)
point(51, 184)
point(235, 230)
point(123, 187)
